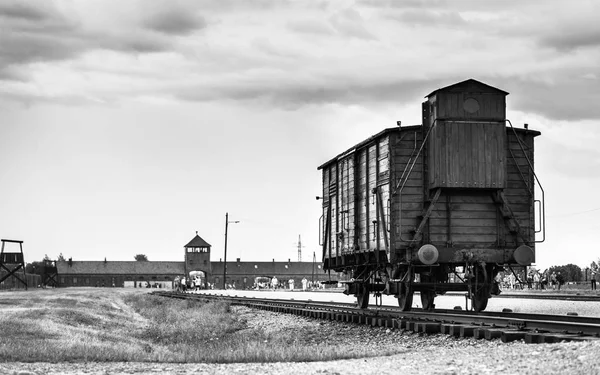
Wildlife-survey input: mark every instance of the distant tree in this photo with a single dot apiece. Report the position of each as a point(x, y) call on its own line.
point(46, 257)
point(34, 267)
point(570, 272)
point(61, 258)
point(141, 258)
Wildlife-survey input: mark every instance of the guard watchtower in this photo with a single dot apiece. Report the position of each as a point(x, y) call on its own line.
point(50, 274)
point(11, 262)
point(197, 256)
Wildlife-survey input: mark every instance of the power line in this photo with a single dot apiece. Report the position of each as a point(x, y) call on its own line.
point(576, 213)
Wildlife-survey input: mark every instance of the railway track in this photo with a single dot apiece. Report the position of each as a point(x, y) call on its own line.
point(506, 326)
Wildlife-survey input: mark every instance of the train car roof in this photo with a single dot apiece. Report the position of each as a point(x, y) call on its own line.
point(368, 140)
point(466, 83)
point(535, 133)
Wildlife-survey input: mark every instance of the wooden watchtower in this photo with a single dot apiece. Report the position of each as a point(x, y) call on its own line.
point(11, 262)
point(50, 273)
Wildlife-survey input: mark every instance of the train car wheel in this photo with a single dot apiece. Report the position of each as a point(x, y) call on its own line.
point(427, 298)
point(405, 297)
point(362, 296)
point(481, 294)
point(480, 300)
point(405, 291)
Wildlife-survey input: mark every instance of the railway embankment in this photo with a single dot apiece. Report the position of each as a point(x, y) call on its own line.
point(367, 349)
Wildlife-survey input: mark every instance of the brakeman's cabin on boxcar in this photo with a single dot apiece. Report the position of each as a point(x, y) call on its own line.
point(411, 206)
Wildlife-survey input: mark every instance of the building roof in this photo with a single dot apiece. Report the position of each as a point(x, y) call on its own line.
point(472, 83)
point(120, 267)
point(197, 242)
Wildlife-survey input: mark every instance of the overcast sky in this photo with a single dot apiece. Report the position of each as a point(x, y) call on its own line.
point(127, 126)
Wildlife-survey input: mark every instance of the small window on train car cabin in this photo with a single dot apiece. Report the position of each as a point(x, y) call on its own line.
point(87, 281)
point(74, 280)
point(286, 266)
point(256, 266)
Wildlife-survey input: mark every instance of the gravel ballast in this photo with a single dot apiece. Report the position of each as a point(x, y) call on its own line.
point(413, 354)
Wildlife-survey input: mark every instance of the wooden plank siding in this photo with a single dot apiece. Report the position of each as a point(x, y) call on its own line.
point(348, 188)
point(492, 105)
point(407, 204)
point(467, 155)
point(475, 222)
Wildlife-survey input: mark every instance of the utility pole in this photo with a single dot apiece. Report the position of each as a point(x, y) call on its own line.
point(225, 255)
point(300, 249)
point(313, 267)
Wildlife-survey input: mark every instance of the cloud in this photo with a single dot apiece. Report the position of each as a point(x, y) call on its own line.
point(22, 11)
point(403, 3)
point(175, 21)
point(567, 97)
point(40, 32)
point(349, 22)
point(569, 163)
point(567, 39)
point(310, 26)
point(429, 18)
point(293, 95)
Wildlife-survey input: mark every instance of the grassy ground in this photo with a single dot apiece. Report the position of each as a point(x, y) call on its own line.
point(116, 325)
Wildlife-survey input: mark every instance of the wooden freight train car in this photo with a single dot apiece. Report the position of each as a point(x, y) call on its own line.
point(442, 206)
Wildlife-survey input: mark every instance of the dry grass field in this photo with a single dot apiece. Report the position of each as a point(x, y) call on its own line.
point(130, 325)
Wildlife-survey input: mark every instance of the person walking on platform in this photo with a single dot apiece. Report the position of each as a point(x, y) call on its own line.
point(559, 280)
point(553, 280)
point(593, 280)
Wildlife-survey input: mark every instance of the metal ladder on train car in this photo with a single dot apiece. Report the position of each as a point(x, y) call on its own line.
point(508, 215)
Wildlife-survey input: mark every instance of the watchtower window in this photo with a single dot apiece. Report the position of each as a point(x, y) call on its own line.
point(197, 249)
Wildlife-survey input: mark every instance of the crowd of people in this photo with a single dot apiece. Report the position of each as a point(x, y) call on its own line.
point(290, 284)
point(182, 284)
point(538, 280)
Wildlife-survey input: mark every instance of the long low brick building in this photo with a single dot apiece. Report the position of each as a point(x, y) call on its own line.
point(240, 274)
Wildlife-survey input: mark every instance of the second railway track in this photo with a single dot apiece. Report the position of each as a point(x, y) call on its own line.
point(506, 326)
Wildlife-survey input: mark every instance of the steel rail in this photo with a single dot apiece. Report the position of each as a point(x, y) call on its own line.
point(508, 326)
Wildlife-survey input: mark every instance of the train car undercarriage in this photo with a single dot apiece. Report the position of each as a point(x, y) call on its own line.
point(476, 279)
